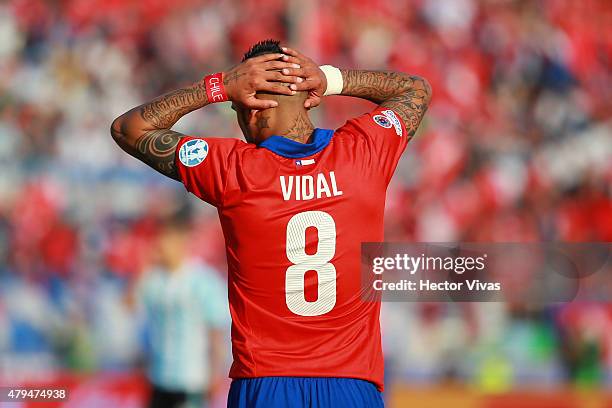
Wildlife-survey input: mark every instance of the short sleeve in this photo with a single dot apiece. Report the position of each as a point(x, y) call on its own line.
point(384, 135)
point(203, 166)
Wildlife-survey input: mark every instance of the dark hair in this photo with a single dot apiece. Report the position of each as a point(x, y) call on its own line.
point(263, 47)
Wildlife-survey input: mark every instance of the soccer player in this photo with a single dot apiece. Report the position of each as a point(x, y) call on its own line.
point(295, 203)
point(180, 299)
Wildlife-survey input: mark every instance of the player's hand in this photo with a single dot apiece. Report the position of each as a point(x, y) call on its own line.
point(314, 81)
point(259, 74)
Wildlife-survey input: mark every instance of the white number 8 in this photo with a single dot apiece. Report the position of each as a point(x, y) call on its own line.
point(318, 262)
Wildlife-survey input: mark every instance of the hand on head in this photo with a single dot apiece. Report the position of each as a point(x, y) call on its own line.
point(270, 73)
point(314, 80)
point(258, 74)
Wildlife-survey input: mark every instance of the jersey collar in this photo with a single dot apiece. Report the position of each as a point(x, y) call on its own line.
point(295, 150)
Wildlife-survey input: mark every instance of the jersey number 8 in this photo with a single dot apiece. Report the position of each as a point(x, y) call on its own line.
point(318, 262)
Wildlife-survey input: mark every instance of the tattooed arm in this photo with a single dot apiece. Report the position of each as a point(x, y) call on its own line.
point(145, 131)
point(406, 95)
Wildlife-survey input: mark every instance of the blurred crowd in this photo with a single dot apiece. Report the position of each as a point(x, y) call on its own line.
point(516, 147)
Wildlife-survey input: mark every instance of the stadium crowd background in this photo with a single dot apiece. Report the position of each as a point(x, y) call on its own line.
point(516, 147)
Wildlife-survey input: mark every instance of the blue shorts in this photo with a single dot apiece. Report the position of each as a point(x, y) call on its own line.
point(303, 392)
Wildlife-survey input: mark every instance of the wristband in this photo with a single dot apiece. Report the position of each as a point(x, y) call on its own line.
point(335, 83)
point(214, 88)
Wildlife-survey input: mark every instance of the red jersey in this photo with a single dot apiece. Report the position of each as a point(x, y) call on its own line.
point(294, 217)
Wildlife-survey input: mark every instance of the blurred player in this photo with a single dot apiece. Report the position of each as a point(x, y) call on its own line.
point(295, 203)
point(181, 299)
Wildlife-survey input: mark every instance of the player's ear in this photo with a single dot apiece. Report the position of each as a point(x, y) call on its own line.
point(253, 115)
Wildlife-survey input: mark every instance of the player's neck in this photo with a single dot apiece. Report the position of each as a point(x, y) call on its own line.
point(292, 125)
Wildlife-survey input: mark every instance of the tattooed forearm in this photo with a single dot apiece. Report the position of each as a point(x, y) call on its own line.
point(164, 111)
point(406, 95)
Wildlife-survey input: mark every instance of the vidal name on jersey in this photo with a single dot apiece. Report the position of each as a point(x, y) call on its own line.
point(308, 187)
